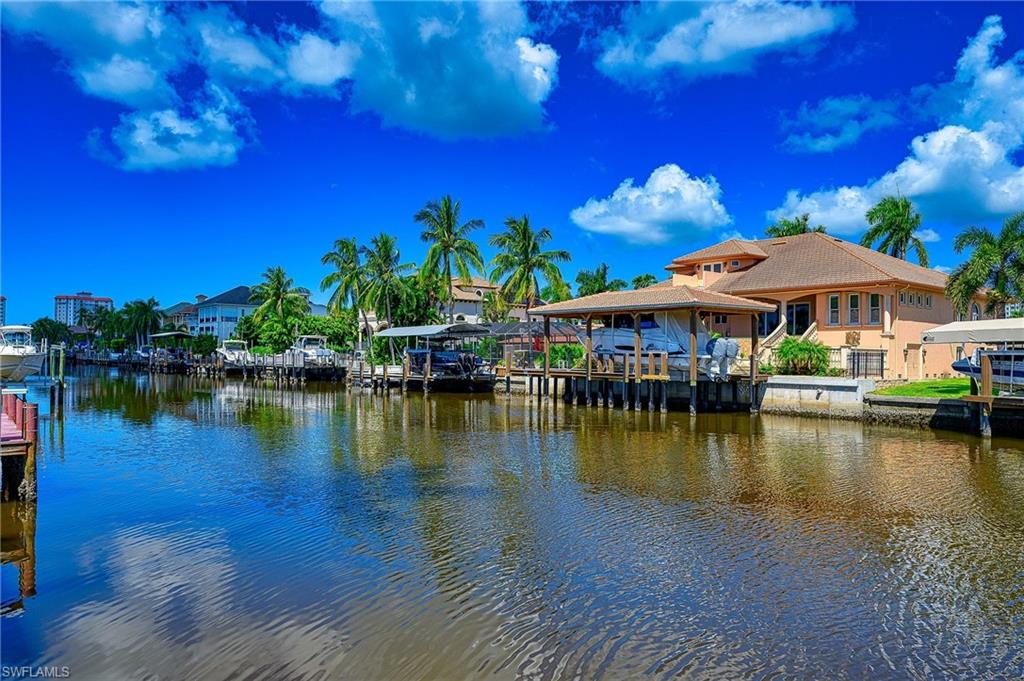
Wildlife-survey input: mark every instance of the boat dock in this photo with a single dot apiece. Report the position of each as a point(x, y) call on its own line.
point(19, 426)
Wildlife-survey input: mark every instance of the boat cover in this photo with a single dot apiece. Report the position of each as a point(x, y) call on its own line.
point(980, 331)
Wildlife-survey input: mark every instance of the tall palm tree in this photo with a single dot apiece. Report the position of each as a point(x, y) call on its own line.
point(494, 307)
point(556, 293)
point(791, 227)
point(450, 244)
point(894, 224)
point(348, 279)
point(644, 280)
point(996, 262)
point(594, 281)
point(384, 274)
point(278, 296)
point(521, 259)
point(146, 318)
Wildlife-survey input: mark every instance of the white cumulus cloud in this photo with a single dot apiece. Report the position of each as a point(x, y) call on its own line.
point(928, 235)
point(695, 40)
point(963, 171)
point(447, 70)
point(671, 202)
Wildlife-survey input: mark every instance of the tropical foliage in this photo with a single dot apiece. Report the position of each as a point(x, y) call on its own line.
point(140, 319)
point(494, 308)
point(644, 280)
point(893, 225)
point(451, 250)
point(278, 296)
point(50, 329)
point(996, 262)
point(801, 357)
point(556, 293)
point(522, 261)
point(801, 224)
point(347, 278)
point(589, 282)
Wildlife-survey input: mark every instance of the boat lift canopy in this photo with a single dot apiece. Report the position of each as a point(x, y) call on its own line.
point(436, 331)
point(982, 331)
point(170, 334)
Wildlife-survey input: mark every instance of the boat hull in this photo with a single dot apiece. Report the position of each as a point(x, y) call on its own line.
point(1004, 372)
point(16, 367)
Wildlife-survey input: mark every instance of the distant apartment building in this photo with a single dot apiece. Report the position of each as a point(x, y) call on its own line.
point(66, 309)
point(3, 310)
point(218, 316)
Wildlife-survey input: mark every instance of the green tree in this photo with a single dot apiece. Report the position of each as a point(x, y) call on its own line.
point(996, 263)
point(791, 227)
point(589, 282)
point(385, 277)
point(451, 249)
point(893, 224)
point(276, 333)
point(339, 328)
point(109, 322)
point(141, 318)
point(644, 280)
point(556, 293)
point(204, 344)
point(522, 260)
point(494, 308)
point(52, 330)
point(348, 279)
point(277, 295)
point(419, 302)
point(247, 329)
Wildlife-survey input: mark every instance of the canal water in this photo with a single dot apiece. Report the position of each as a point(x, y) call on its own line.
point(197, 529)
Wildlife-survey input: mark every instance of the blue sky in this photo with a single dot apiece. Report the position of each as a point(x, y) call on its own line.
point(169, 151)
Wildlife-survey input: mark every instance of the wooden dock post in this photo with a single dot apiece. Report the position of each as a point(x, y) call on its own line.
point(637, 371)
point(753, 364)
point(590, 359)
point(694, 352)
point(985, 406)
point(547, 354)
point(426, 373)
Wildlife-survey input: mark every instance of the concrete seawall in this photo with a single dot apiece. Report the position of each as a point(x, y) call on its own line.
point(821, 396)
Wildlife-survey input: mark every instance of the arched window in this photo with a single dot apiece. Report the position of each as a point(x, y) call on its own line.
point(460, 318)
point(975, 312)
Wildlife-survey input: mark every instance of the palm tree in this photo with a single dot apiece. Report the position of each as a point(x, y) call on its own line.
point(594, 281)
point(143, 318)
point(521, 259)
point(556, 293)
point(278, 296)
point(494, 307)
point(996, 262)
point(798, 225)
point(348, 279)
point(385, 277)
point(449, 244)
point(644, 280)
point(894, 223)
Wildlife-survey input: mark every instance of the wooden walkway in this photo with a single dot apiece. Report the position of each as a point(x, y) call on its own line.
point(12, 443)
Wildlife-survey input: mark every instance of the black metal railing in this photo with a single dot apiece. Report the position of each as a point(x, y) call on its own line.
point(865, 364)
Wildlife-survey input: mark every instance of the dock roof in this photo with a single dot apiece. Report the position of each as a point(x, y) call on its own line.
point(651, 298)
point(440, 331)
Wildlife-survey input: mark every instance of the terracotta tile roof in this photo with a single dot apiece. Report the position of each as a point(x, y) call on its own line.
point(651, 298)
point(727, 249)
point(821, 261)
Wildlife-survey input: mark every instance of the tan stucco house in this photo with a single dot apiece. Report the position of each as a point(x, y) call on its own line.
point(851, 298)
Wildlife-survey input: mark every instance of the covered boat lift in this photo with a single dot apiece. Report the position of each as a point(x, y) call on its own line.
point(667, 300)
point(1008, 336)
point(430, 368)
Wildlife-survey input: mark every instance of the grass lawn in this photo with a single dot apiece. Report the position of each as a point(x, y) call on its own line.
point(941, 387)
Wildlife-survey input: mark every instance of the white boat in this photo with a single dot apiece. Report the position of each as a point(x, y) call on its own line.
point(713, 357)
point(19, 357)
point(234, 352)
point(1007, 367)
point(314, 349)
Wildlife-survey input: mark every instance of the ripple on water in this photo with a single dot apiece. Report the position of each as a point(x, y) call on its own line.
point(196, 529)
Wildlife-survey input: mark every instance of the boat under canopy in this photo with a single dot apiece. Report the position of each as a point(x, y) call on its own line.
point(982, 331)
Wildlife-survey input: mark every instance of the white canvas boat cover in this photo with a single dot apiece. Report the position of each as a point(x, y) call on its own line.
point(435, 331)
point(980, 331)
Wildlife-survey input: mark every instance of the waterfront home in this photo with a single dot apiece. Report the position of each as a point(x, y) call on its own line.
point(182, 315)
point(219, 314)
point(855, 300)
point(469, 297)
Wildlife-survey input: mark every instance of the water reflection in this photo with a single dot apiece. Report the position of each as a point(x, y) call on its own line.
point(215, 529)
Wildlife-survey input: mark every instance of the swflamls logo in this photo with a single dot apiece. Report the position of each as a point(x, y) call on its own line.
point(49, 672)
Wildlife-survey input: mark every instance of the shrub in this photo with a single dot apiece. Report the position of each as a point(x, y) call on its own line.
point(564, 354)
point(802, 357)
point(204, 344)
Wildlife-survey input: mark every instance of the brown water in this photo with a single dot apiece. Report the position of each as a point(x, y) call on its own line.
point(193, 529)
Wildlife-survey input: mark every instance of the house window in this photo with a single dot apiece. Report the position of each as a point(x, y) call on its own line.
point(718, 267)
point(903, 298)
point(707, 267)
point(928, 301)
point(875, 308)
point(734, 263)
point(975, 312)
point(920, 301)
point(833, 309)
point(720, 319)
point(853, 309)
